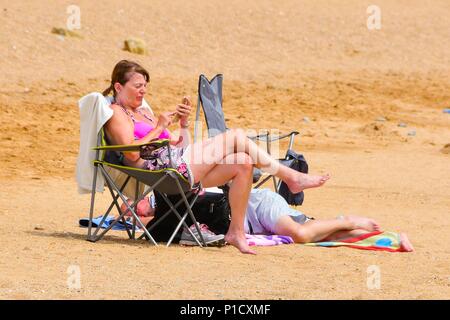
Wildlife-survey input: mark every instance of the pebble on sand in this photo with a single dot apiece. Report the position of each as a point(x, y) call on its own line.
point(446, 149)
point(135, 45)
point(65, 32)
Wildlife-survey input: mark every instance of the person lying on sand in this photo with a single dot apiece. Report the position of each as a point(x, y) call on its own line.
point(212, 162)
point(268, 213)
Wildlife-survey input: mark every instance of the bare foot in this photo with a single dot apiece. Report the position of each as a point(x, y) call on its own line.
point(363, 223)
point(239, 242)
point(405, 244)
point(305, 181)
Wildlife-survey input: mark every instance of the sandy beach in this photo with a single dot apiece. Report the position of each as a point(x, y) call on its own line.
point(368, 105)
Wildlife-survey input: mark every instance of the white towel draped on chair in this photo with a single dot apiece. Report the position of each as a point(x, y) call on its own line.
point(94, 113)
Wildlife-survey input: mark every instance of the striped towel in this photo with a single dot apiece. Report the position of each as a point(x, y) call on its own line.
point(377, 240)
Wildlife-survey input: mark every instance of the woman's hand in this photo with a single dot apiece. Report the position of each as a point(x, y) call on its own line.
point(165, 119)
point(184, 110)
point(177, 142)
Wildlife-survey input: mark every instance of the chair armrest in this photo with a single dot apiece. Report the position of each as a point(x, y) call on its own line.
point(260, 137)
point(133, 147)
point(292, 133)
point(265, 137)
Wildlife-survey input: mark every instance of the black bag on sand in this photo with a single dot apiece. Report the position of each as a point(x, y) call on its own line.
point(297, 162)
point(210, 208)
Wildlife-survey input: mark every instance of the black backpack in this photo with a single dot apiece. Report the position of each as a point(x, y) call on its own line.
point(297, 162)
point(210, 208)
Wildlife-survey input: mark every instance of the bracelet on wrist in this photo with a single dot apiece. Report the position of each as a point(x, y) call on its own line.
point(184, 124)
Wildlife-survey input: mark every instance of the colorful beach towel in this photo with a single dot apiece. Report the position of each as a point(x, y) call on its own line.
point(263, 240)
point(377, 240)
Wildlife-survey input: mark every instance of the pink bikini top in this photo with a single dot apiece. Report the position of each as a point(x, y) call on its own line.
point(141, 128)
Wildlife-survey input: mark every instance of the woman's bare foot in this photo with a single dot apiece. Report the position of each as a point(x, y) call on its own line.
point(239, 242)
point(305, 181)
point(363, 223)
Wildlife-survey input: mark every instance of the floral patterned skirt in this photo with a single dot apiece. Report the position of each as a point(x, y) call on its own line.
point(160, 159)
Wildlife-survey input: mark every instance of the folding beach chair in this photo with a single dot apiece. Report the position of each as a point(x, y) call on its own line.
point(210, 100)
point(96, 160)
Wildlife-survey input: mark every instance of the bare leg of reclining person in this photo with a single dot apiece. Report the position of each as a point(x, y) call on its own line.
point(325, 230)
point(332, 230)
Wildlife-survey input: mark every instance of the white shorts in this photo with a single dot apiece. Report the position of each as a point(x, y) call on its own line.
point(265, 208)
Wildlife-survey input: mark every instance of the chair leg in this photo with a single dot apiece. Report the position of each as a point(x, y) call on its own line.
point(133, 213)
point(189, 208)
point(275, 184)
point(136, 196)
point(114, 202)
point(111, 187)
point(291, 140)
point(182, 221)
point(262, 182)
point(121, 214)
point(91, 237)
point(173, 208)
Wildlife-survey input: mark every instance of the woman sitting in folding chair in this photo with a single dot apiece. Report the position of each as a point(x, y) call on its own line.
point(213, 162)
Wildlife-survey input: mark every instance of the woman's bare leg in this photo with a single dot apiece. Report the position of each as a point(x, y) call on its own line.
point(205, 154)
point(241, 176)
point(318, 230)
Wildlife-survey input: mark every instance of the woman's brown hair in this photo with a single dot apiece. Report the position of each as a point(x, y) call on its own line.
point(122, 73)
